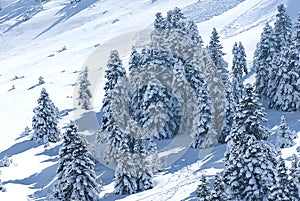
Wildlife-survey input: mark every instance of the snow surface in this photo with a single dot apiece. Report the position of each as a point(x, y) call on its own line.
point(34, 48)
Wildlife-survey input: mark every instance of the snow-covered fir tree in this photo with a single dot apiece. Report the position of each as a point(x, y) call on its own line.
point(296, 37)
point(249, 167)
point(262, 62)
point(76, 178)
point(157, 110)
point(295, 171)
point(126, 179)
point(114, 71)
point(176, 21)
point(26, 132)
point(249, 161)
point(134, 60)
point(286, 74)
point(285, 136)
point(143, 164)
point(45, 119)
point(153, 105)
point(282, 38)
point(84, 91)
point(203, 191)
point(238, 67)
point(160, 21)
point(218, 192)
point(215, 51)
point(216, 54)
point(250, 114)
point(119, 118)
point(41, 80)
point(284, 189)
point(242, 58)
point(282, 29)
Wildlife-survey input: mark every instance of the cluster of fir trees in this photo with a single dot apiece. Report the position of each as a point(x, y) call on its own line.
point(277, 63)
point(234, 88)
point(76, 178)
point(125, 146)
point(46, 114)
point(253, 169)
point(122, 146)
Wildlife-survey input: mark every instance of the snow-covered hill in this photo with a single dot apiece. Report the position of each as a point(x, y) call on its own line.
point(35, 48)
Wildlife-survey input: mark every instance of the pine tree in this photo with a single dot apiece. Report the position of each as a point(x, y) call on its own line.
point(176, 21)
point(153, 106)
point(250, 114)
point(143, 164)
point(41, 80)
point(285, 137)
point(119, 105)
point(243, 62)
point(249, 162)
point(296, 37)
point(286, 96)
point(284, 189)
point(295, 172)
point(160, 22)
point(218, 192)
point(238, 67)
point(282, 28)
point(114, 71)
point(216, 54)
point(263, 58)
point(204, 105)
point(134, 61)
point(203, 189)
point(126, 179)
point(84, 91)
point(44, 122)
point(76, 176)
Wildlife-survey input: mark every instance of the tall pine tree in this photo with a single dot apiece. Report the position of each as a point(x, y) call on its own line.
point(249, 161)
point(238, 67)
point(282, 28)
point(44, 121)
point(285, 136)
point(216, 54)
point(284, 189)
point(76, 176)
point(114, 71)
point(286, 95)
point(84, 91)
point(296, 37)
point(218, 192)
point(203, 191)
point(263, 59)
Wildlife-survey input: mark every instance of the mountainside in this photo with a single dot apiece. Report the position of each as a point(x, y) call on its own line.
point(56, 41)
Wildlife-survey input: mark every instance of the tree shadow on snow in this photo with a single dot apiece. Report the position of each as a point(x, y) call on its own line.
point(44, 179)
point(17, 9)
point(211, 158)
point(68, 11)
point(89, 121)
point(19, 148)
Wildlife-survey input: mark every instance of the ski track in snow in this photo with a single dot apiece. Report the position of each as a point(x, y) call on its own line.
point(32, 48)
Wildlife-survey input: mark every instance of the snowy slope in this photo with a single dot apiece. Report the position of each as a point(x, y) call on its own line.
point(34, 48)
